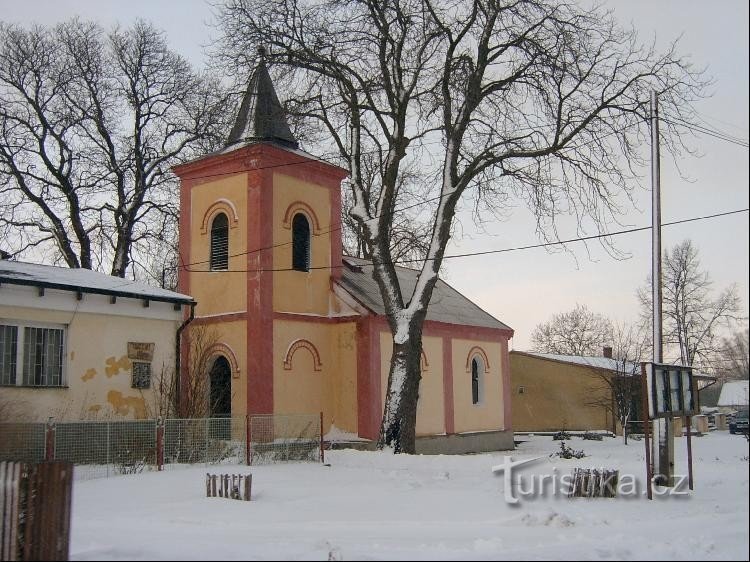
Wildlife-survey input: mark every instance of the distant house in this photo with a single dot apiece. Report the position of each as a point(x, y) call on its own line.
point(552, 392)
point(734, 396)
point(78, 344)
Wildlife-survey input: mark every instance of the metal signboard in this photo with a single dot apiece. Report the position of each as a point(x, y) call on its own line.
point(670, 390)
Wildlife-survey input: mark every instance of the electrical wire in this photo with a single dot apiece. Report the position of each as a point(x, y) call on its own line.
point(489, 252)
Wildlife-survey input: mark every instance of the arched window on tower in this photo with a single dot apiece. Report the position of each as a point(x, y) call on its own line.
point(300, 243)
point(219, 258)
point(477, 370)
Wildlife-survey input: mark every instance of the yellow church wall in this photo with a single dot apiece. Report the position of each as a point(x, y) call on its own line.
point(343, 385)
point(320, 373)
point(299, 387)
point(218, 291)
point(431, 406)
point(488, 413)
point(97, 370)
point(300, 291)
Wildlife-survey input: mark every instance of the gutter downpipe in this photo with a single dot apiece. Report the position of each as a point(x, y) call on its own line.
point(178, 356)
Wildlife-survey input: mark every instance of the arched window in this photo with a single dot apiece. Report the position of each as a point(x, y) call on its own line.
point(219, 258)
point(300, 243)
point(477, 370)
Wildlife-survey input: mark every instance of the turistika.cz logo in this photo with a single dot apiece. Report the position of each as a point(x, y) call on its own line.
point(530, 486)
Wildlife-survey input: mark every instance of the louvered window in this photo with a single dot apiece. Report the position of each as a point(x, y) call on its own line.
point(220, 243)
point(300, 243)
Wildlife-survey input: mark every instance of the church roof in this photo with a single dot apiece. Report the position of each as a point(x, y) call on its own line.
point(261, 116)
point(447, 304)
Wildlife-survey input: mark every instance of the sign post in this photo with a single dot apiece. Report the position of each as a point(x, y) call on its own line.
point(669, 394)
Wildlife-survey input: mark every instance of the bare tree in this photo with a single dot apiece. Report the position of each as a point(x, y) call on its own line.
point(490, 99)
point(622, 377)
point(732, 359)
point(578, 332)
point(692, 315)
point(190, 396)
point(90, 124)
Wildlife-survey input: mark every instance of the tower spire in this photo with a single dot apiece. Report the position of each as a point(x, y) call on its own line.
point(261, 117)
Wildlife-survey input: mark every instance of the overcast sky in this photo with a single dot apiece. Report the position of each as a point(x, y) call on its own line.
point(525, 288)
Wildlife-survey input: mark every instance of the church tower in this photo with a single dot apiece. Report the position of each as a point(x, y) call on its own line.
point(260, 245)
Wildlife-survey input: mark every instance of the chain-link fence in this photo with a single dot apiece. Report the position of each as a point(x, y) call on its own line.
point(285, 438)
point(23, 441)
point(204, 441)
point(108, 448)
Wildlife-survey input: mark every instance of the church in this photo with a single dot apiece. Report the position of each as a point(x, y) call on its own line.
point(300, 327)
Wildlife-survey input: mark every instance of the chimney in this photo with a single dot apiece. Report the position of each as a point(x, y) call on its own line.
point(607, 350)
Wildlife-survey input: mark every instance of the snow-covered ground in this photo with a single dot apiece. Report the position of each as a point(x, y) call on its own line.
point(377, 506)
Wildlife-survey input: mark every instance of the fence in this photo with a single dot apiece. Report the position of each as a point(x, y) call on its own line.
point(35, 500)
point(107, 448)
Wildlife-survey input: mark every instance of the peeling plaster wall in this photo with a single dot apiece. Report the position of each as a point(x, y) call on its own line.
point(97, 371)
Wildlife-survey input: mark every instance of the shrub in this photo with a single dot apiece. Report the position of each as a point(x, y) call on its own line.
point(566, 452)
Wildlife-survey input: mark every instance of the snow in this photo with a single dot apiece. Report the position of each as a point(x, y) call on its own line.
point(337, 435)
point(377, 506)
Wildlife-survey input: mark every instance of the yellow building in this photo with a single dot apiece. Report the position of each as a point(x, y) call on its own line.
point(300, 328)
point(76, 344)
point(555, 392)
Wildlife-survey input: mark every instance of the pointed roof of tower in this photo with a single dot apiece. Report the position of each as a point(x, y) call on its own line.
point(261, 116)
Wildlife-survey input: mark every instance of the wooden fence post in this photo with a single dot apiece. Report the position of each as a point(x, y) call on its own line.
point(159, 444)
point(49, 440)
point(322, 453)
point(248, 457)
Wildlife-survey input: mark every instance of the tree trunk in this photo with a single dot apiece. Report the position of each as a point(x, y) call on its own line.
point(397, 430)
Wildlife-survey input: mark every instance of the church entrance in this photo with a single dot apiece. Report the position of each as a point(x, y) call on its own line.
point(220, 398)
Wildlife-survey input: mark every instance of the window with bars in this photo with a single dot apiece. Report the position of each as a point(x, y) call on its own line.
point(141, 374)
point(219, 258)
point(31, 355)
point(300, 243)
point(8, 352)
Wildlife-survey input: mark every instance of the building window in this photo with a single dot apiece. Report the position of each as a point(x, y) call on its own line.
point(219, 258)
point(477, 370)
point(8, 352)
point(31, 355)
point(141, 375)
point(300, 243)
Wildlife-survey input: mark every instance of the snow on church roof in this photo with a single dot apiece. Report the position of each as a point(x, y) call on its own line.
point(84, 280)
point(447, 305)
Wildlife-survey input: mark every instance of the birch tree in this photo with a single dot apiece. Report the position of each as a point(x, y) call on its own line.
point(495, 101)
point(692, 315)
point(90, 123)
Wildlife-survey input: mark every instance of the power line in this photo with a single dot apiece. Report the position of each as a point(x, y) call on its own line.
point(707, 131)
point(334, 228)
point(489, 252)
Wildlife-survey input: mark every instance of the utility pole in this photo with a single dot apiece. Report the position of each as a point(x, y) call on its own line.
point(663, 427)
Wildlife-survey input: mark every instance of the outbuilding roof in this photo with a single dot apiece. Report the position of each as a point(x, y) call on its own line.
point(734, 393)
point(447, 304)
point(83, 280)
